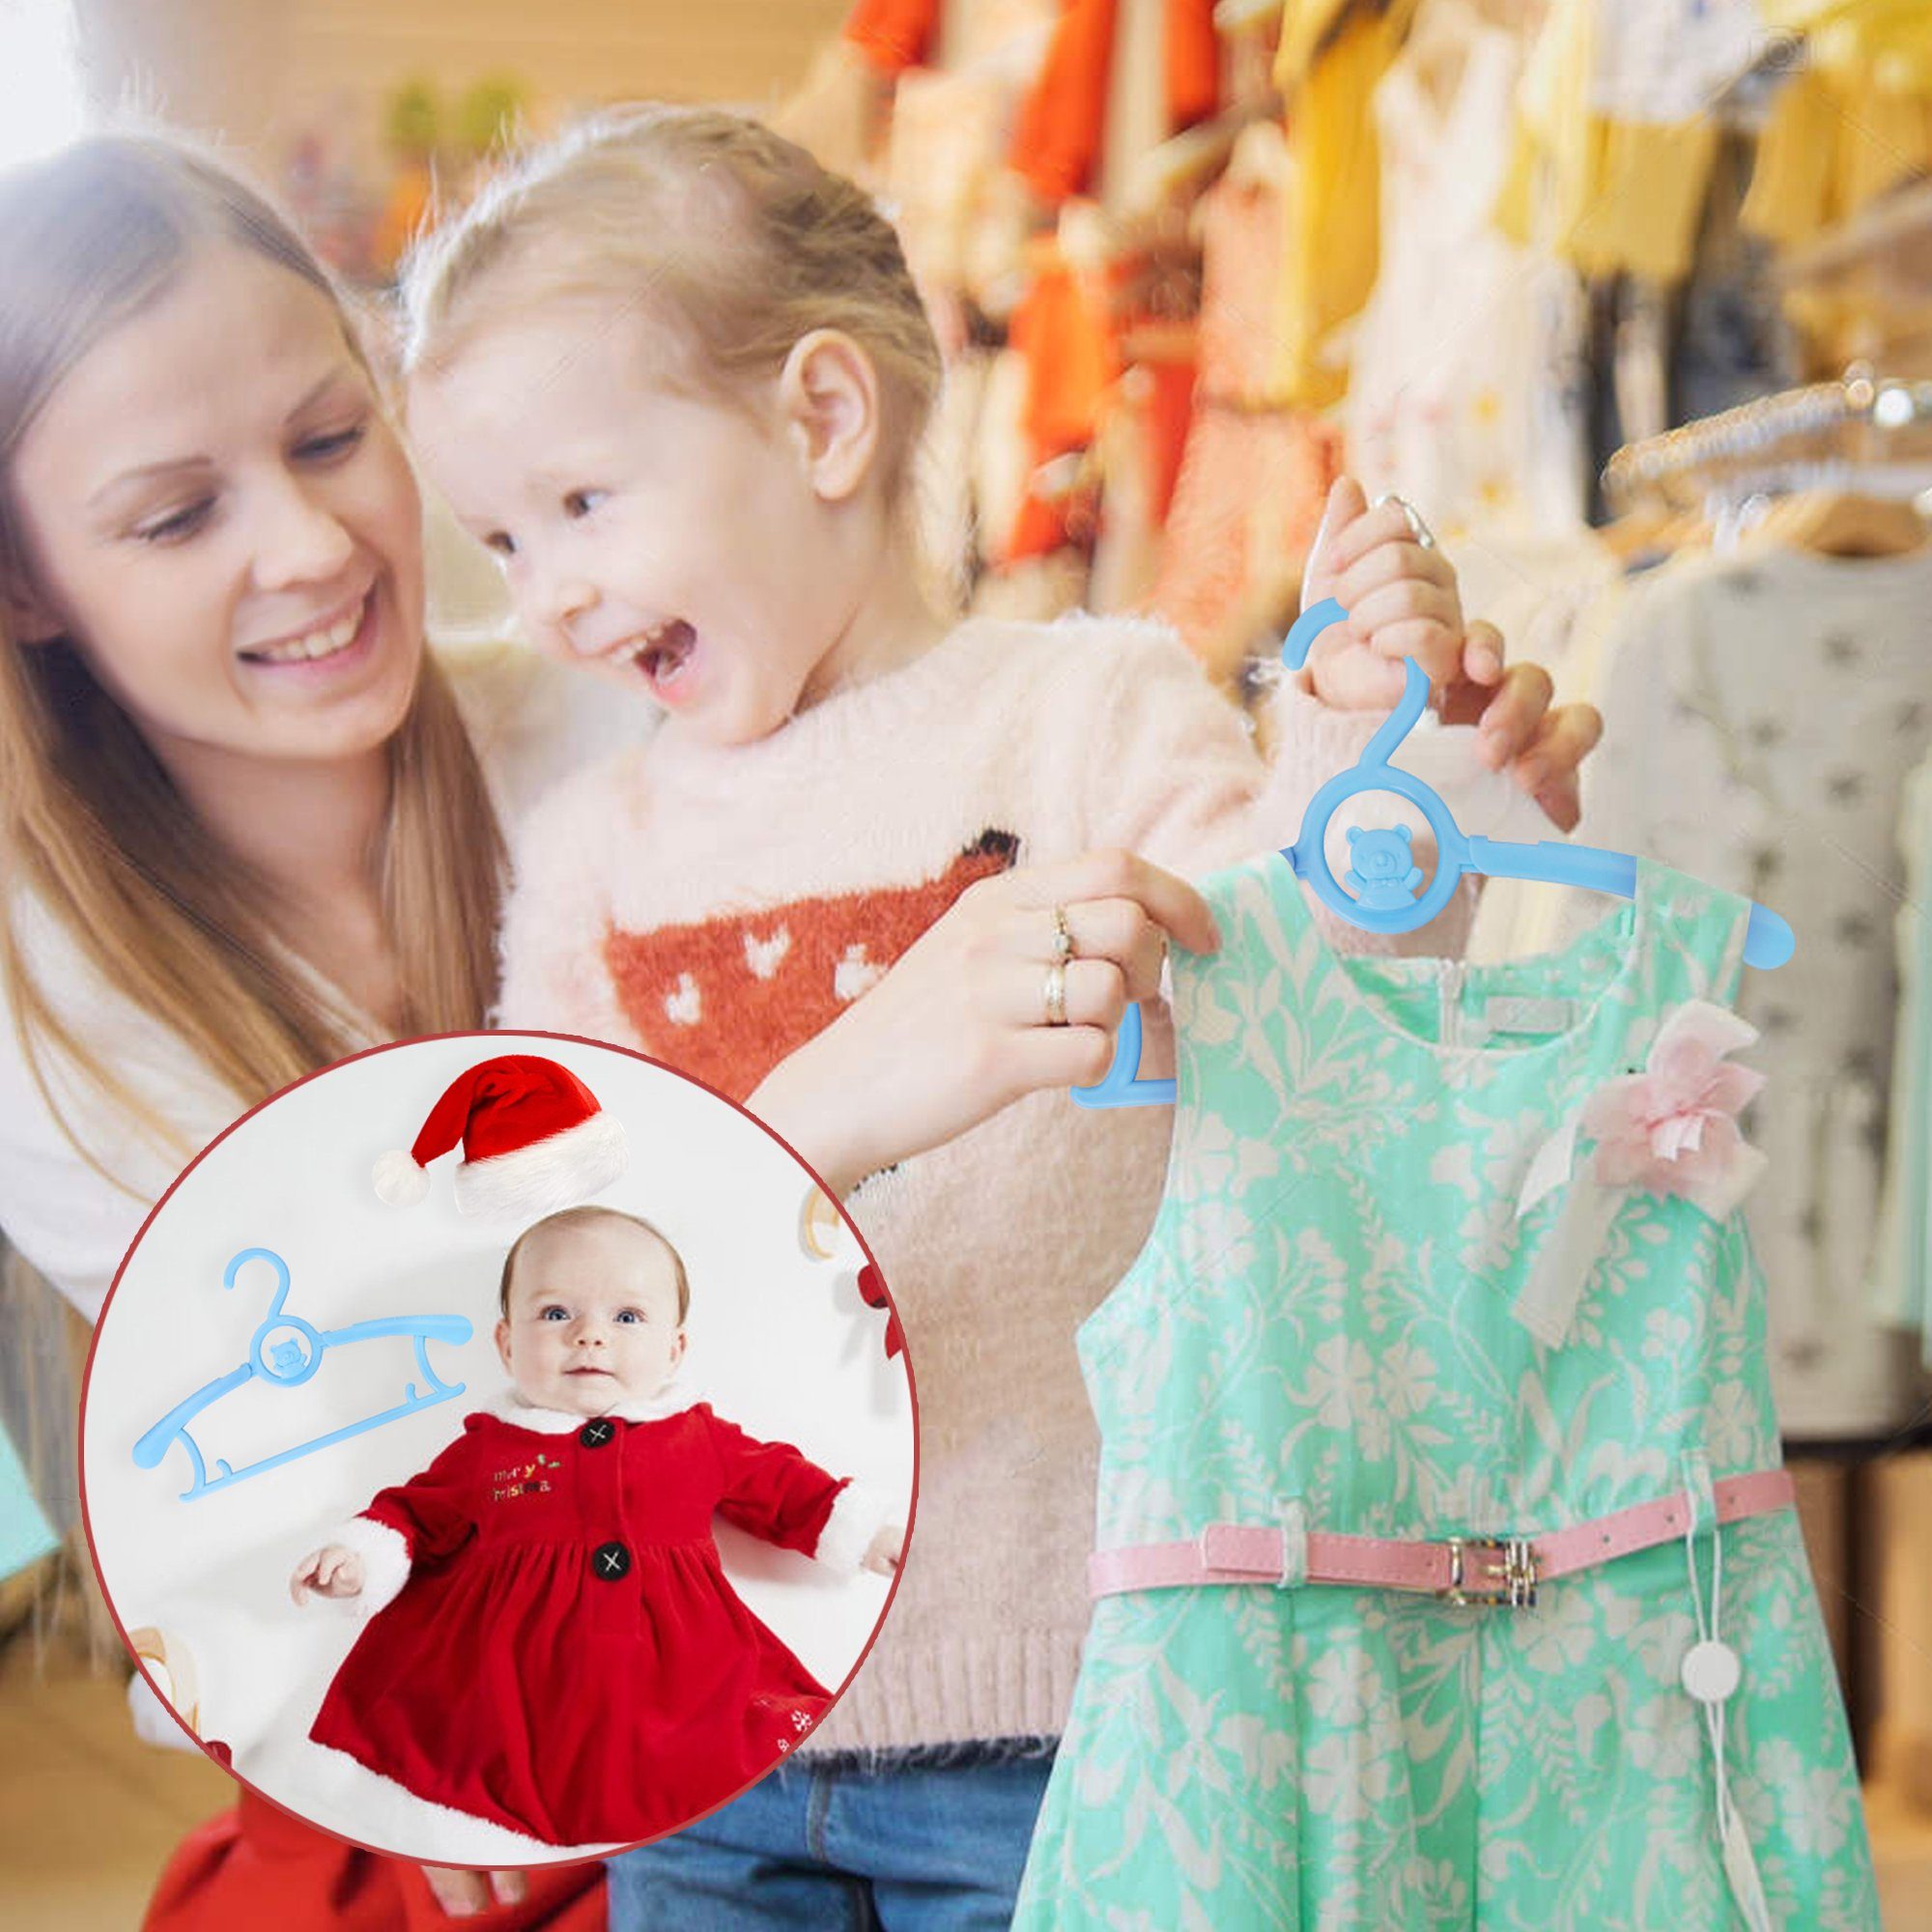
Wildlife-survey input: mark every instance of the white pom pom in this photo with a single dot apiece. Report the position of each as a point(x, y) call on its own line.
point(399, 1181)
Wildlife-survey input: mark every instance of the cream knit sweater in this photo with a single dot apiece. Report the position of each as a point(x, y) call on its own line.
point(714, 908)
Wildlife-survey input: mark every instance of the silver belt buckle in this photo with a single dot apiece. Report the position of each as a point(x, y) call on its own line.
point(1503, 1572)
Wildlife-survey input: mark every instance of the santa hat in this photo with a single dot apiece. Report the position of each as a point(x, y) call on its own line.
point(534, 1140)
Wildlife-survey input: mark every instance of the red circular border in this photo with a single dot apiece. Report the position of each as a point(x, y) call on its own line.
point(494, 1040)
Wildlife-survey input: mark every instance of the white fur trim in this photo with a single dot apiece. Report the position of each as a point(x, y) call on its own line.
point(421, 1809)
point(399, 1181)
point(509, 1406)
point(385, 1564)
point(563, 1171)
point(859, 1512)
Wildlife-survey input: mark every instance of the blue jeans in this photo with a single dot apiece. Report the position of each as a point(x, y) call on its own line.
point(824, 1849)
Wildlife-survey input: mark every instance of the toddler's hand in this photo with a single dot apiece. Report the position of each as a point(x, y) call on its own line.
point(882, 1553)
point(329, 1572)
point(1402, 602)
point(1400, 598)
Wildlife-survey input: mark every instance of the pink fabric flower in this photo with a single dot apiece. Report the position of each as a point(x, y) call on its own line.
point(1673, 1128)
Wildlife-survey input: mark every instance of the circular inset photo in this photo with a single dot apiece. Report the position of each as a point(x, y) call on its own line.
point(497, 1449)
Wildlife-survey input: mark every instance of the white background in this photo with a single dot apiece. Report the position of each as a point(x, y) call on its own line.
point(780, 1343)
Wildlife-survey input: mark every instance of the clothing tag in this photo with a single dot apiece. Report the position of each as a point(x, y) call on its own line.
point(1551, 1168)
point(1561, 1270)
point(1509, 1012)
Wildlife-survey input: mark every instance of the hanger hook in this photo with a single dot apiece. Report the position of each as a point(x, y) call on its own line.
point(275, 1262)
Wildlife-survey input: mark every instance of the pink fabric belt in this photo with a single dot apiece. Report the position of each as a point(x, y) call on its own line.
point(1460, 1569)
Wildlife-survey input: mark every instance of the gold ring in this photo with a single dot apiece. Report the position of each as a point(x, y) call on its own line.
point(1062, 937)
point(1055, 994)
point(1423, 535)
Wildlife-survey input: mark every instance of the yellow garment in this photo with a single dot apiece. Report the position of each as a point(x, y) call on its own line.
point(1607, 195)
point(1328, 266)
point(1841, 136)
point(1305, 24)
point(1646, 187)
point(1891, 37)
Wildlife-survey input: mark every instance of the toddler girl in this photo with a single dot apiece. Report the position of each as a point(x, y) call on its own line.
point(672, 372)
point(553, 1644)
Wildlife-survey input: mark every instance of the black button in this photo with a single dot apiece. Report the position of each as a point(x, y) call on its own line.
point(610, 1561)
point(594, 1435)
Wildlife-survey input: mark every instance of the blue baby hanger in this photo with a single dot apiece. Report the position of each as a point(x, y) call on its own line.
point(1385, 878)
point(290, 1361)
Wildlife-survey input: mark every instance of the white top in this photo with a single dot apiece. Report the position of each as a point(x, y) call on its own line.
point(1761, 714)
point(531, 723)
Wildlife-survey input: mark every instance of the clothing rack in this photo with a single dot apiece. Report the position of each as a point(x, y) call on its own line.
point(1682, 466)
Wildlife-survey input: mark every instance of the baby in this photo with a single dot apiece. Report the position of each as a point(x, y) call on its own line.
point(554, 1646)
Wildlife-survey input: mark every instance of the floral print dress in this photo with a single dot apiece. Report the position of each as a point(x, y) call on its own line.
point(1327, 1319)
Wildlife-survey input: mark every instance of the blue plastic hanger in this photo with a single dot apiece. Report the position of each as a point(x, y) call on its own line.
point(1384, 880)
point(289, 1362)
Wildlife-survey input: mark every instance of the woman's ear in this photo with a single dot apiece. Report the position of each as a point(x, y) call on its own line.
point(25, 616)
point(828, 396)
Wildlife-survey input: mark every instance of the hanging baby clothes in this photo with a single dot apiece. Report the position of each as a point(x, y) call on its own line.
point(1761, 713)
point(1253, 476)
point(1460, 395)
point(1853, 120)
point(1616, 135)
point(1328, 259)
point(1322, 1340)
point(1065, 136)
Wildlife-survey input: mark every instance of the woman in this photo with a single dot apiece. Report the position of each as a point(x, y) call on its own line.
point(249, 825)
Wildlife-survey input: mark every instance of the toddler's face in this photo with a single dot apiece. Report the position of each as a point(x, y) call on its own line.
point(593, 1318)
point(667, 541)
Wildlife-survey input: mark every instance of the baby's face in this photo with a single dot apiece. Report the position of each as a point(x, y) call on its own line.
point(593, 1318)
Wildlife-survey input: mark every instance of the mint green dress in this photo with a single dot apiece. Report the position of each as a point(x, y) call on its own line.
point(1321, 1317)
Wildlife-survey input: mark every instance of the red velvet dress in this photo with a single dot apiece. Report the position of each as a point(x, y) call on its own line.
point(567, 1658)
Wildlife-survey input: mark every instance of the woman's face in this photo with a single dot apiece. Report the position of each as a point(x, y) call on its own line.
point(219, 514)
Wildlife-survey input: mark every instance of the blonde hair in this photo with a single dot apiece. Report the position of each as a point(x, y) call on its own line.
point(732, 236)
point(90, 825)
point(588, 1216)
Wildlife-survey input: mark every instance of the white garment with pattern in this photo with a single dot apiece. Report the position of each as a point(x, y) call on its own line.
point(1762, 714)
point(1462, 392)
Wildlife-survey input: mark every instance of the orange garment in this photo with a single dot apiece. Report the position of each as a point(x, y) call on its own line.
point(406, 213)
point(1168, 408)
point(1254, 479)
point(893, 35)
point(1061, 330)
point(1062, 121)
point(259, 1866)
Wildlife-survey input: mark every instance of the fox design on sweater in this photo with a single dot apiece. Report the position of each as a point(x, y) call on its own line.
point(782, 973)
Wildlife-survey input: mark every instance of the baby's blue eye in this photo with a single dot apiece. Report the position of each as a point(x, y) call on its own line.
point(555, 1313)
point(629, 1315)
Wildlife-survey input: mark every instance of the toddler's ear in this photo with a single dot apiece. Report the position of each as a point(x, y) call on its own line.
point(829, 393)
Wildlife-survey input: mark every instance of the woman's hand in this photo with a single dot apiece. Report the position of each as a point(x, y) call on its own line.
point(1403, 601)
point(959, 1027)
point(331, 1571)
point(463, 1894)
